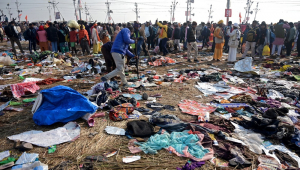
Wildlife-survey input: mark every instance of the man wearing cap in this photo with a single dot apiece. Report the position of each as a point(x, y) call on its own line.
point(191, 40)
point(219, 41)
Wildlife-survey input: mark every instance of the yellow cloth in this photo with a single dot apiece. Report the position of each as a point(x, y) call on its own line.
point(221, 22)
point(218, 51)
point(285, 67)
point(212, 136)
point(96, 48)
point(164, 30)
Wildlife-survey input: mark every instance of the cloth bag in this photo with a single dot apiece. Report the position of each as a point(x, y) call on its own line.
point(121, 112)
point(266, 50)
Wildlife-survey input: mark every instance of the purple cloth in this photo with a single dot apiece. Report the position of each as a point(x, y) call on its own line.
point(273, 103)
point(191, 165)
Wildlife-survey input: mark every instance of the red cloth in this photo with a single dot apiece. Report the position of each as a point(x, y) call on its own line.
point(19, 89)
point(73, 36)
point(48, 81)
point(41, 28)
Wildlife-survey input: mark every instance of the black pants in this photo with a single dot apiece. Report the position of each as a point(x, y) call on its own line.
point(204, 42)
point(144, 49)
point(298, 48)
point(150, 42)
point(226, 43)
point(163, 46)
point(213, 45)
point(85, 46)
point(289, 47)
point(109, 61)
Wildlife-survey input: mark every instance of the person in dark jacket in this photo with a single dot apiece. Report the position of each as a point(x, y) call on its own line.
point(31, 32)
point(149, 35)
point(205, 33)
point(191, 40)
point(11, 33)
point(118, 50)
point(52, 36)
point(109, 61)
point(176, 36)
point(63, 44)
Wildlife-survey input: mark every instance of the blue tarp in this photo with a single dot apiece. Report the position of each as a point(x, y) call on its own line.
point(62, 104)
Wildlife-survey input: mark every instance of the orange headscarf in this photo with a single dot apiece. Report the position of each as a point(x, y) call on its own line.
point(83, 33)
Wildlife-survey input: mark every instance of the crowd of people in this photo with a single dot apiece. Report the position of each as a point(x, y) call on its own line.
point(117, 40)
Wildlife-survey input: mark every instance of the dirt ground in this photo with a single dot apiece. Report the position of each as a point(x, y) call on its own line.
point(71, 155)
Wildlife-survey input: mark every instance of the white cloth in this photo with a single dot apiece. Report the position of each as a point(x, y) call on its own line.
point(244, 65)
point(248, 45)
point(94, 36)
point(99, 29)
point(232, 54)
point(177, 41)
point(195, 48)
point(274, 48)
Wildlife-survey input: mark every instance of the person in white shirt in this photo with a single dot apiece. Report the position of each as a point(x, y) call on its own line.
point(233, 43)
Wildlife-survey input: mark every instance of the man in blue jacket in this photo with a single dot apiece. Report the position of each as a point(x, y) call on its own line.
point(118, 50)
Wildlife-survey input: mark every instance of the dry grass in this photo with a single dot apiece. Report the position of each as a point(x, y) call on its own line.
point(12, 123)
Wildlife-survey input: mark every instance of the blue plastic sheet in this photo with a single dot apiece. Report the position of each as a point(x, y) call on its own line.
point(62, 104)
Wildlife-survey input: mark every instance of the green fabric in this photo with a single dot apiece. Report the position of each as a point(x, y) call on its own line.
point(29, 100)
point(52, 149)
point(72, 44)
point(279, 30)
point(297, 77)
point(14, 103)
point(8, 160)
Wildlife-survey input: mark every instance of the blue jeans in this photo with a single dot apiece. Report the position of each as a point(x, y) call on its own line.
point(32, 44)
point(163, 46)
point(139, 46)
point(54, 46)
point(185, 44)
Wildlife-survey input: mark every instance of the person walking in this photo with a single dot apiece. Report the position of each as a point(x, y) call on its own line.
point(251, 39)
point(228, 27)
point(12, 34)
point(290, 39)
point(84, 40)
point(63, 44)
point(43, 42)
point(280, 35)
point(73, 40)
point(95, 39)
point(233, 42)
point(219, 41)
point(164, 37)
point(31, 33)
point(263, 38)
point(149, 35)
point(116, 33)
point(52, 36)
point(191, 40)
point(176, 37)
point(297, 39)
point(205, 33)
point(109, 61)
point(119, 49)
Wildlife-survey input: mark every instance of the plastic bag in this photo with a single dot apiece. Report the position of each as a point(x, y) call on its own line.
point(73, 24)
point(266, 51)
point(6, 60)
point(27, 158)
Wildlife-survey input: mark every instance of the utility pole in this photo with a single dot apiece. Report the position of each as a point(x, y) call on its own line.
point(171, 12)
point(187, 9)
point(256, 10)
point(174, 6)
point(19, 11)
point(209, 15)
point(79, 8)
point(228, 7)
point(76, 16)
point(49, 9)
point(2, 15)
point(8, 8)
point(249, 4)
point(54, 4)
point(108, 12)
point(86, 12)
point(191, 1)
point(136, 10)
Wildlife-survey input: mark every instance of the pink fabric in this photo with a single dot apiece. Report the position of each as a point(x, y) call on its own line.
point(42, 36)
point(73, 36)
point(194, 108)
point(278, 41)
point(131, 146)
point(19, 89)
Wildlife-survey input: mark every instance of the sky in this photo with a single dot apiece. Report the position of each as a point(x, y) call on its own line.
point(270, 10)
